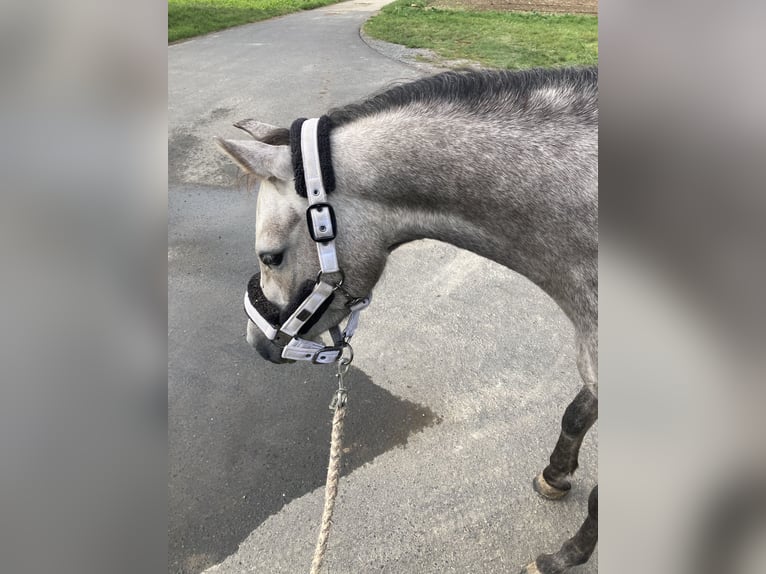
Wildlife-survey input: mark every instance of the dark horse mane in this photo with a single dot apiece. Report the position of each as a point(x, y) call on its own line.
point(477, 92)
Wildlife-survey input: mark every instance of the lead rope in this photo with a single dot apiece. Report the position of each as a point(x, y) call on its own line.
point(338, 405)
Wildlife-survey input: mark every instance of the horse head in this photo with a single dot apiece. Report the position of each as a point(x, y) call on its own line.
point(287, 255)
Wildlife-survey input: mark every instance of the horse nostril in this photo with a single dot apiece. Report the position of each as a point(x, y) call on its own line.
point(271, 259)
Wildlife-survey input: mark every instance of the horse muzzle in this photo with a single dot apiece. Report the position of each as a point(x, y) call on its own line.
point(265, 348)
point(275, 333)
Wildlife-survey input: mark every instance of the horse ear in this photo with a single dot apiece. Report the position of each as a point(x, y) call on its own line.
point(259, 159)
point(258, 130)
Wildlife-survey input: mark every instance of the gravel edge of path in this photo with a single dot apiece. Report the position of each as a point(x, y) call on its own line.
point(421, 59)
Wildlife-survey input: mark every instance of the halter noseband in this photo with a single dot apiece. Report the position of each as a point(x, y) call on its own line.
point(322, 227)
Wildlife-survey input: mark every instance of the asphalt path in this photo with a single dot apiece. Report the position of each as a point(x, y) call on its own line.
point(462, 371)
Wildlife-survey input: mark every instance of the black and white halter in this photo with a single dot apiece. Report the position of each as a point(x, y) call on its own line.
point(310, 145)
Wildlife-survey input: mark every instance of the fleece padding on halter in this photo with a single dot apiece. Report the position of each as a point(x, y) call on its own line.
point(323, 148)
point(271, 312)
point(265, 308)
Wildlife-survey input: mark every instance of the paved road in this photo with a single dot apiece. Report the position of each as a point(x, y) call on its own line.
point(447, 425)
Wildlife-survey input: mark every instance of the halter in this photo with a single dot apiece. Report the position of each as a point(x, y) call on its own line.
point(322, 228)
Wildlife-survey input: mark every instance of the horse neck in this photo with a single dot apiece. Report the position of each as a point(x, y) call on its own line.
point(496, 189)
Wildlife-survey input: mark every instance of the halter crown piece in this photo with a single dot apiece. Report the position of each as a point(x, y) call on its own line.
point(313, 167)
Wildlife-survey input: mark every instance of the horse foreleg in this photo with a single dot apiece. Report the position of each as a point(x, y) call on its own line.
point(576, 550)
point(579, 416)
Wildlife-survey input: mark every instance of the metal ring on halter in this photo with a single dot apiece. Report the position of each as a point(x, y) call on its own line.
point(337, 285)
point(344, 363)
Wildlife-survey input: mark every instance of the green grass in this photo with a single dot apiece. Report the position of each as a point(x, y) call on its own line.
point(187, 18)
point(510, 40)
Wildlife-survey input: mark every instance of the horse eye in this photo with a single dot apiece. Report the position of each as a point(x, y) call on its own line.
point(271, 259)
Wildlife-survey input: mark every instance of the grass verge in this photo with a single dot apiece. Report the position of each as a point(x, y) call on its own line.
point(187, 18)
point(510, 40)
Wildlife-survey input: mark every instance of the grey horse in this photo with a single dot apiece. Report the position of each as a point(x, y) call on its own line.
point(504, 164)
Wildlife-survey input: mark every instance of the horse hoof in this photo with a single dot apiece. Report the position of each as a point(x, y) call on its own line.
point(530, 569)
point(547, 490)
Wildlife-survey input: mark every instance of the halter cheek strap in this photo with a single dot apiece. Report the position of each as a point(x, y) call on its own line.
point(312, 165)
point(320, 215)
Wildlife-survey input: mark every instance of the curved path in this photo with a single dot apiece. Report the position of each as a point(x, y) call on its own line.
point(304, 62)
point(442, 447)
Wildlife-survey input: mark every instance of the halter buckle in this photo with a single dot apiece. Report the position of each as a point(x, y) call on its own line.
point(321, 222)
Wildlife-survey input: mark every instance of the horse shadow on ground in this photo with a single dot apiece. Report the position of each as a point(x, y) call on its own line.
point(238, 463)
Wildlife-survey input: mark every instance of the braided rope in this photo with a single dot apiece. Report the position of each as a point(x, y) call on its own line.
point(331, 488)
